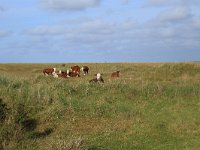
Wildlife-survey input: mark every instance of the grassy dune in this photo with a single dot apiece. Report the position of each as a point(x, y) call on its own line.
point(151, 106)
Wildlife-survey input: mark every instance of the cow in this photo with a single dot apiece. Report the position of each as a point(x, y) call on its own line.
point(74, 71)
point(55, 75)
point(115, 74)
point(61, 74)
point(85, 70)
point(66, 74)
point(49, 71)
point(98, 79)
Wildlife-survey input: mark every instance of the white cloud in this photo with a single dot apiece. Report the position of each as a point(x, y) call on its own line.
point(97, 27)
point(45, 31)
point(175, 14)
point(69, 4)
point(90, 34)
point(167, 32)
point(172, 17)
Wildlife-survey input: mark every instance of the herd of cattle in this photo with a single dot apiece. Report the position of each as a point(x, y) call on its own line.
point(75, 71)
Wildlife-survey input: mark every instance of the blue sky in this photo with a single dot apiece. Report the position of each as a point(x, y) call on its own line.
point(43, 31)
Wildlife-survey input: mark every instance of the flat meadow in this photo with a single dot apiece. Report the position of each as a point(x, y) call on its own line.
point(150, 106)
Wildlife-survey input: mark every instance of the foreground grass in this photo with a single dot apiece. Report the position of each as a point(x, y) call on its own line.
point(151, 106)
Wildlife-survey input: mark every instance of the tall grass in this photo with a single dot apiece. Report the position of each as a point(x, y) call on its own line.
point(151, 106)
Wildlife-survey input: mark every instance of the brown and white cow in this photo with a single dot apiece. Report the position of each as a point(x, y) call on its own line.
point(72, 74)
point(74, 71)
point(98, 79)
point(49, 71)
point(85, 70)
point(63, 74)
point(115, 74)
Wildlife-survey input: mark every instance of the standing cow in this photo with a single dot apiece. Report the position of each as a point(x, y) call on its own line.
point(75, 71)
point(85, 70)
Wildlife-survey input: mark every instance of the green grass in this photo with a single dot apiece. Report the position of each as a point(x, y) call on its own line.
point(151, 106)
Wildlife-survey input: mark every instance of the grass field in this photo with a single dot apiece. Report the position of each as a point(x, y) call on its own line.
point(150, 106)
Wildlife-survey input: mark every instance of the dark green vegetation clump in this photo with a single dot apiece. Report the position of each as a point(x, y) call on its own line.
point(150, 106)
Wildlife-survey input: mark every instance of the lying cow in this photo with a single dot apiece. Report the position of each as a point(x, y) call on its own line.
point(49, 71)
point(98, 79)
point(71, 73)
point(61, 74)
point(115, 74)
point(66, 74)
point(85, 70)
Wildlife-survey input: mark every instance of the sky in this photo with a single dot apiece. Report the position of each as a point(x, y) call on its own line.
point(53, 31)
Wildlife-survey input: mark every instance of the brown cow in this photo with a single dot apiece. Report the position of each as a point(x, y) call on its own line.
point(49, 71)
point(73, 74)
point(74, 71)
point(115, 74)
point(85, 70)
point(98, 79)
